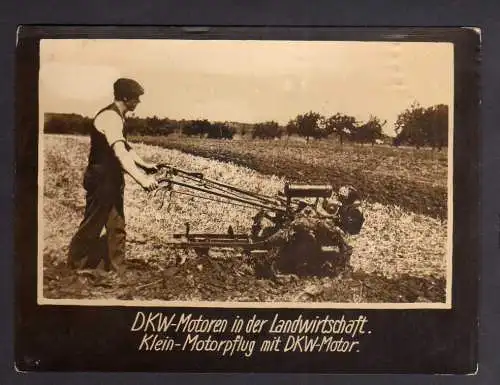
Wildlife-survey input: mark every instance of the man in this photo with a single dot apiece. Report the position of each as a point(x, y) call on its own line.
point(110, 156)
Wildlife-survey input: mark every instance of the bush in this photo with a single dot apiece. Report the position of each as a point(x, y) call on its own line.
point(220, 131)
point(196, 127)
point(267, 130)
point(67, 124)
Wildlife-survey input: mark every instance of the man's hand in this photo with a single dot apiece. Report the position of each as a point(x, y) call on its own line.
point(149, 167)
point(149, 183)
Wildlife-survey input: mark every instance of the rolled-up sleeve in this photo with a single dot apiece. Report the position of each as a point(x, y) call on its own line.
point(111, 125)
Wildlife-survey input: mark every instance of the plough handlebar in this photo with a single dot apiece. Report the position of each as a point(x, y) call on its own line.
point(282, 203)
point(197, 181)
point(176, 170)
point(232, 197)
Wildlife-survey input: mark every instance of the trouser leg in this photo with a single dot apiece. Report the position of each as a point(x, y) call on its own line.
point(116, 236)
point(84, 244)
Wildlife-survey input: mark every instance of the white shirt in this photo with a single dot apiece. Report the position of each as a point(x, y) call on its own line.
point(110, 124)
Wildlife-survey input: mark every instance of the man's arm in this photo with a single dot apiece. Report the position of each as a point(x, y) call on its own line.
point(127, 161)
point(110, 124)
point(148, 166)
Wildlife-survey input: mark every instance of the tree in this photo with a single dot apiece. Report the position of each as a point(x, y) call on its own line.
point(307, 124)
point(409, 126)
point(58, 123)
point(219, 130)
point(291, 127)
point(166, 126)
point(321, 129)
point(420, 126)
point(342, 125)
point(267, 130)
point(196, 127)
point(136, 126)
point(438, 126)
point(370, 131)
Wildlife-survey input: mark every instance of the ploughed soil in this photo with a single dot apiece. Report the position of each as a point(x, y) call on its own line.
point(233, 278)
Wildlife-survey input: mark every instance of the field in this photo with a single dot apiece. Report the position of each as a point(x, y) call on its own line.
point(412, 179)
point(400, 255)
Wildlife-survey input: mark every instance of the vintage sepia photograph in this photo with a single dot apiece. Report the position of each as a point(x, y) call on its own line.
point(245, 173)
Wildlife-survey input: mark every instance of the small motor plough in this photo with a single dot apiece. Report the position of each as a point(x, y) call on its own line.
point(303, 225)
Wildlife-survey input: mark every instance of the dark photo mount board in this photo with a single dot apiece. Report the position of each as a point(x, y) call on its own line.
point(67, 338)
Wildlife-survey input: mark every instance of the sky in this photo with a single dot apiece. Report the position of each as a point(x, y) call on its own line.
point(247, 81)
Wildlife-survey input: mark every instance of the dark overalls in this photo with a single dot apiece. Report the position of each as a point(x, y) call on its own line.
point(104, 184)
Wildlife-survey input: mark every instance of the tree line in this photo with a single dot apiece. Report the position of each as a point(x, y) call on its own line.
point(416, 126)
point(56, 123)
point(345, 127)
